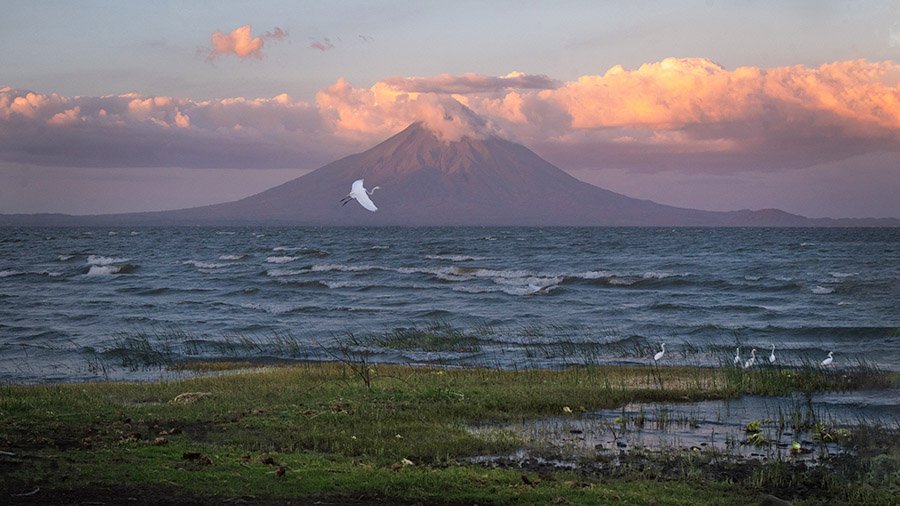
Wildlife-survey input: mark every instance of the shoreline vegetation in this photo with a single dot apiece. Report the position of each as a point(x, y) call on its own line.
point(349, 431)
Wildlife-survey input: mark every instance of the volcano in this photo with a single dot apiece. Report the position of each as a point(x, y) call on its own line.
point(427, 180)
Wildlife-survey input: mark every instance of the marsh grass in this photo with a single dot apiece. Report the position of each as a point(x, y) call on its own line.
point(435, 336)
point(339, 436)
point(342, 427)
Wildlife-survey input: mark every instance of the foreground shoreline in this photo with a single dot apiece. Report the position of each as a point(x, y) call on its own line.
point(357, 433)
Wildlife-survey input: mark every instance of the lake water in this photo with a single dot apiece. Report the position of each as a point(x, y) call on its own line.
point(530, 296)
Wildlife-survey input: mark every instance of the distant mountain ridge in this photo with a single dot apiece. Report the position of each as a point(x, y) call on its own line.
point(428, 181)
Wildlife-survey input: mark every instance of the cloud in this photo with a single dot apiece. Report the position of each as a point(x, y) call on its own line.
point(470, 83)
point(240, 42)
point(322, 45)
point(676, 114)
point(693, 113)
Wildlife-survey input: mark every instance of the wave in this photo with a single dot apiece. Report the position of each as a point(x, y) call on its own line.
point(161, 290)
point(280, 259)
point(232, 257)
point(841, 275)
point(108, 270)
point(455, 258)
point(102, 260)
point(379, 246)
point(821, 290)
point(9, 274)
point(102, 270)
point(304, 251)
point(326, 268)
point(204, 265)
point(66, 258)
point(312, 283)
point(285, 272)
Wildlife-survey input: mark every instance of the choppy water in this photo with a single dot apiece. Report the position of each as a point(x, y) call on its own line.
point(531, 296)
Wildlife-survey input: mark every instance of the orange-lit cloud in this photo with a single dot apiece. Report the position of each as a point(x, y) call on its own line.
point(241, 42)
point(674, 114)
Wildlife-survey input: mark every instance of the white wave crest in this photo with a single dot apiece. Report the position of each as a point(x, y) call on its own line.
point(286, 272)
point(842, 274)
point(378, 246)
point(64, 258)
point(821, 290)
point(286, 248)
point(102, 260)
point(204, 265)
point(232, 257)
point(455, 258)
point(344, 268)
point(6, 274)
point(103, 270)
point(593, 275)
point(280, 259)
point(657, 275)
point(338, 284)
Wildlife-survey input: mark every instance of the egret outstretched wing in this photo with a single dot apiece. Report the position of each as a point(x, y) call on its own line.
point(365, 201)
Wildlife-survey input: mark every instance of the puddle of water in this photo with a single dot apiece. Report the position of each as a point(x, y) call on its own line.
point(786, 426)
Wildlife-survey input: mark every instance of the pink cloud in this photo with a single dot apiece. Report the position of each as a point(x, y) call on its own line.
point(241, 42)
point(676, 114)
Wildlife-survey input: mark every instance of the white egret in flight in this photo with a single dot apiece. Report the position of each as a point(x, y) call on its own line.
point(660, 354)
point(358, 192)
point(828, 360)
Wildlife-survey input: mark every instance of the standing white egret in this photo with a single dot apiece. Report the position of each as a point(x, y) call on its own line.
point(737, 356)
point(358, 192)
point(660, 353)
point(828, 360)
point(752, 360)
point(772, 355)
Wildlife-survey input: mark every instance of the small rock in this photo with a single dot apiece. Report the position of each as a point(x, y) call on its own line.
point(160, 441)
point(189, 397)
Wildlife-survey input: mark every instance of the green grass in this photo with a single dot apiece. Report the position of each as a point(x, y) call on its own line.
point(337, 437)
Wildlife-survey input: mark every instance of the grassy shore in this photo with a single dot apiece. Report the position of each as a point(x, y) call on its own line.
point(354, 433)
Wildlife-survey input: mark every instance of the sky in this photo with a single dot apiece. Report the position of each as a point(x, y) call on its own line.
point(115, 106)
